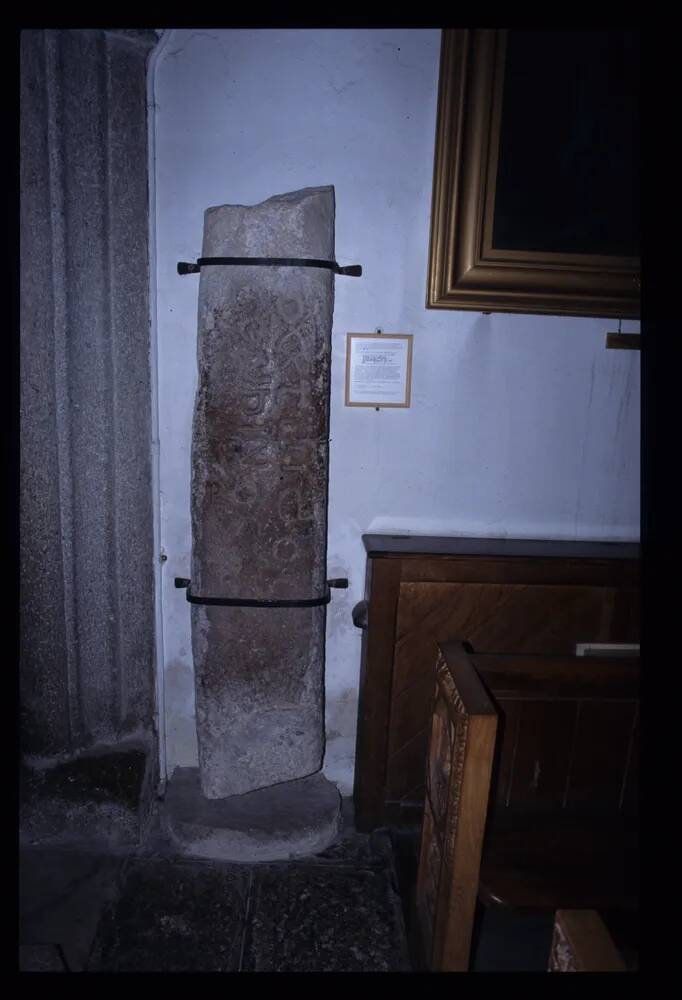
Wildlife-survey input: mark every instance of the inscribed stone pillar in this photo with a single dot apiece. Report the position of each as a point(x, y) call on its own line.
point(259, 492)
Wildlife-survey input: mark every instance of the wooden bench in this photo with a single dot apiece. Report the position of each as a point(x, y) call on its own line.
point(517, 595)
point(531, 791)
point(582, 943)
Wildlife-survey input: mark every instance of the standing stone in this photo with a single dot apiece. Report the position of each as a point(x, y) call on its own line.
point(259, 492)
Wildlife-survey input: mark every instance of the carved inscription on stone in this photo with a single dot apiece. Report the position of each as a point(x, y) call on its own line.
point(259, 492)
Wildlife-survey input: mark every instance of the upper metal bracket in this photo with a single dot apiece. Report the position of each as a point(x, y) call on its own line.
point(353, 270)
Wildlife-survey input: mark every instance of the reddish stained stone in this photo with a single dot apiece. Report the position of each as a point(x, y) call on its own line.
point(259, 492)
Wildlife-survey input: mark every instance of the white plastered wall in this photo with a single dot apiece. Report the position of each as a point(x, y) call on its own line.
point(520, 426)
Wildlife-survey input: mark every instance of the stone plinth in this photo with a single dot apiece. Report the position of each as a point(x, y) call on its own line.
point(259, 492)
point(294, 819)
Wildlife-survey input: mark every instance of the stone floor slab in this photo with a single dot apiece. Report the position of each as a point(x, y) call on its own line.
point(61, 896)
point(174, 916)
point(355, 850)
point(41, 958)
point(292, 819)
point(318, 918)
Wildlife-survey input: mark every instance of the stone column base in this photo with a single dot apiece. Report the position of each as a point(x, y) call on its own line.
point(289, 820)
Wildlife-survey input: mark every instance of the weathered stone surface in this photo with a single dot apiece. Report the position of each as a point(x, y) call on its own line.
point(259, 492)
point(62, 894)
point(41, 958)
point(336, 911)
point(324, 919)
point(174, 916)
point(86, 539)
point(103, 796)
point(290, 820)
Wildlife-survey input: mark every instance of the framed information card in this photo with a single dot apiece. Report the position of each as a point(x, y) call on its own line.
point(378, 369)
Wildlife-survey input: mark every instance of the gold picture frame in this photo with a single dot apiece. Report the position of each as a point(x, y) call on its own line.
point(465, 270)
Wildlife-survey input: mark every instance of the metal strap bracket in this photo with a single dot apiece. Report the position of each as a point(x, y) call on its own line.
point(353, 270)
point(247, 602)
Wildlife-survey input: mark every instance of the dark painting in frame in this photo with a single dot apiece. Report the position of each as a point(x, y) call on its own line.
point(536, 176)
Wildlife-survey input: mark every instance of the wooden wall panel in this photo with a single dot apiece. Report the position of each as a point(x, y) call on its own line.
point(502, 618)
point(502, 595)
point(602, 747)
point(630, 793)
point(410, 711)
point(406, 770)
point(543, 754)
point(508, 728)
point(523, 618)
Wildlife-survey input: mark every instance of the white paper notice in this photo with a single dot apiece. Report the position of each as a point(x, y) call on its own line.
point(378, 370)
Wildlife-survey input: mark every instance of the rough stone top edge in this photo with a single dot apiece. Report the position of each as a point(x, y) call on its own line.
point(286, 196)
point(148, 37)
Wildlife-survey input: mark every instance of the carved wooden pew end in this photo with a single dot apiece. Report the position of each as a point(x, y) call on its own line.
point(581, 943)
point(464, 724)
point(559, 831)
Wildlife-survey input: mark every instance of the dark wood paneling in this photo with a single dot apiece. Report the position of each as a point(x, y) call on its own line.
point(504, 595)
point(382, 583)
point(547, 849)
point(626, 620)
point(519, 675)
point(569, 738)
point(543, 753)
point(602, 745)
point(488, 569)
point(410, 711)
point(498, 618)
point(508, 728)
point(630, 794)
point(406, 767)
point(513, 617)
